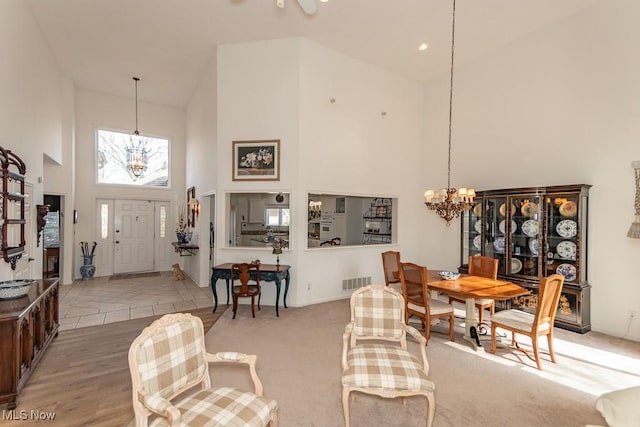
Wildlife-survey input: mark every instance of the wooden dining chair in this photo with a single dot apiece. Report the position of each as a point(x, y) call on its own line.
point(242, 272)
point(390, 266)
point(533, 325)
point(415, 291)
point(482, 266)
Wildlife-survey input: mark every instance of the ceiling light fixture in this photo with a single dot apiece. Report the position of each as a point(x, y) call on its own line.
point(423, 46)
point(137, 156)
point(448, 202)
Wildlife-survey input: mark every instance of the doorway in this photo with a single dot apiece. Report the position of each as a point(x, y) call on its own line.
point(52, 236)
point(133, 236)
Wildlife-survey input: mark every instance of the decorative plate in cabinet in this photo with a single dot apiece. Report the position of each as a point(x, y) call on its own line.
point(567, 228)
point(530, 227)
point(567, 249)
point(568, 271)
point(503, 223)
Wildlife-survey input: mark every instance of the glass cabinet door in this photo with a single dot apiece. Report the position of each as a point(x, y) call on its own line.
point(471, 234)
point(494, 239)
point(526, 231)
point(563, 237)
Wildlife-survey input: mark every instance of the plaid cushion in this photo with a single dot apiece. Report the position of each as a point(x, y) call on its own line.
point(384, 366)
point(378, 313)
point(171, 358)
point(223, 407)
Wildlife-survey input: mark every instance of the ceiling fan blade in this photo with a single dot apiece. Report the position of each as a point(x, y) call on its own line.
point(309, 6)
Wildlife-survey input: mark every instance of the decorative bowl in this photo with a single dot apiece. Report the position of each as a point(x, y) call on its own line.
point(13, 289)
point(449, 275)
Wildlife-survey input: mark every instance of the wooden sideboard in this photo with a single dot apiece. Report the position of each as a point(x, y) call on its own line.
point(27, 327)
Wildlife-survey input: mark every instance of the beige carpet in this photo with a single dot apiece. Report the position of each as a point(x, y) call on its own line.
point(299, 364)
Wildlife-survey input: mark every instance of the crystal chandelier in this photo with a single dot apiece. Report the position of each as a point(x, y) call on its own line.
point(137, 156)
point(449, 202)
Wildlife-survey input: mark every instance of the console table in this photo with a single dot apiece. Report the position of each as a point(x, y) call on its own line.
point(27, 327)
point(268, 273)
point(185, 248)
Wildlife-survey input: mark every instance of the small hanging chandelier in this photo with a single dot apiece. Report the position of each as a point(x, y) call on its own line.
point(449, 202)
point(137, 157)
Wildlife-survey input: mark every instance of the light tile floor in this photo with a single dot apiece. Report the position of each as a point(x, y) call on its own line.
point(100, 300)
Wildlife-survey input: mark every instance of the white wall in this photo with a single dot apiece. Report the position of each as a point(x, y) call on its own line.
point(59, 179)
point(365, 143)
point(258, 98)
point(201, 164)
point(560, 106)
point(32, 92)
point(96, 110)
point(282, 89)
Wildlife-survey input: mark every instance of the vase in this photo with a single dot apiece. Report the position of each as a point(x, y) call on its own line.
point(182, 236)
point(87, 270)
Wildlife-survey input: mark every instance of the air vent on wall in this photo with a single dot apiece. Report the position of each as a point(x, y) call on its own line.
point(355, 283)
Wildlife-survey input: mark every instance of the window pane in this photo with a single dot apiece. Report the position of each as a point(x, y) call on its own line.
point(104, 220)
point(272, 217)
point(163, 221)
point(132, 160)
point(278, 216)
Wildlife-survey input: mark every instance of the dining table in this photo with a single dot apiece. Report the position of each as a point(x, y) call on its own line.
point(469, 288)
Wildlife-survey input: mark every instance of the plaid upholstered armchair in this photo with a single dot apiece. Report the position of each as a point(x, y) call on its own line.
point(169, 358)
point(375, 358)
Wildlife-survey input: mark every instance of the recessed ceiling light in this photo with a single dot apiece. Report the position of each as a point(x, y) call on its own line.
point(423, 46)
point(324, 1)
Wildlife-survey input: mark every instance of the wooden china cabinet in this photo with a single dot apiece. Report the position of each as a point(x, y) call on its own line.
point(534, 232)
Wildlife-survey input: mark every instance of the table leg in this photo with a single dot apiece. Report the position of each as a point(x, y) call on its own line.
point(277, 280)
point(214, 281)
point(228, 290)
point(471, 325)
point(287, 278)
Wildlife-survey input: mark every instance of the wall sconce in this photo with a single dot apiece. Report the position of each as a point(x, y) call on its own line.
point(194, 206)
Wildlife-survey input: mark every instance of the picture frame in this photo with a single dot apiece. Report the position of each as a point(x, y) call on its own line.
point(257, 160)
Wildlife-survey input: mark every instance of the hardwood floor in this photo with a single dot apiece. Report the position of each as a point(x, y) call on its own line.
point(83, 378)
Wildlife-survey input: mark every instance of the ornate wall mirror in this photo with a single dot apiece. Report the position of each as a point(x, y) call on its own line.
point(12, 206)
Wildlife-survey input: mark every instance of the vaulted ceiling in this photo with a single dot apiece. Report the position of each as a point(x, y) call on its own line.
point(102, 44)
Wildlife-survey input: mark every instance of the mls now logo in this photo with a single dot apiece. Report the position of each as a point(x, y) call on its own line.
point(23, 415)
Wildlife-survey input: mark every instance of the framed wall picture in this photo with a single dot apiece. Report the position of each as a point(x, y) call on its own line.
point(191, 211)
point(256, 160)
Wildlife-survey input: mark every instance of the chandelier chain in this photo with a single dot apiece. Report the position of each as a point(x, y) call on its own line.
point(136, 79)
point(453, 40)
point(449, 202)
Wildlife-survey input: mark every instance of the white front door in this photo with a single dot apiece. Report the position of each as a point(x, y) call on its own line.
point(134, 240)
point(25, 267)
